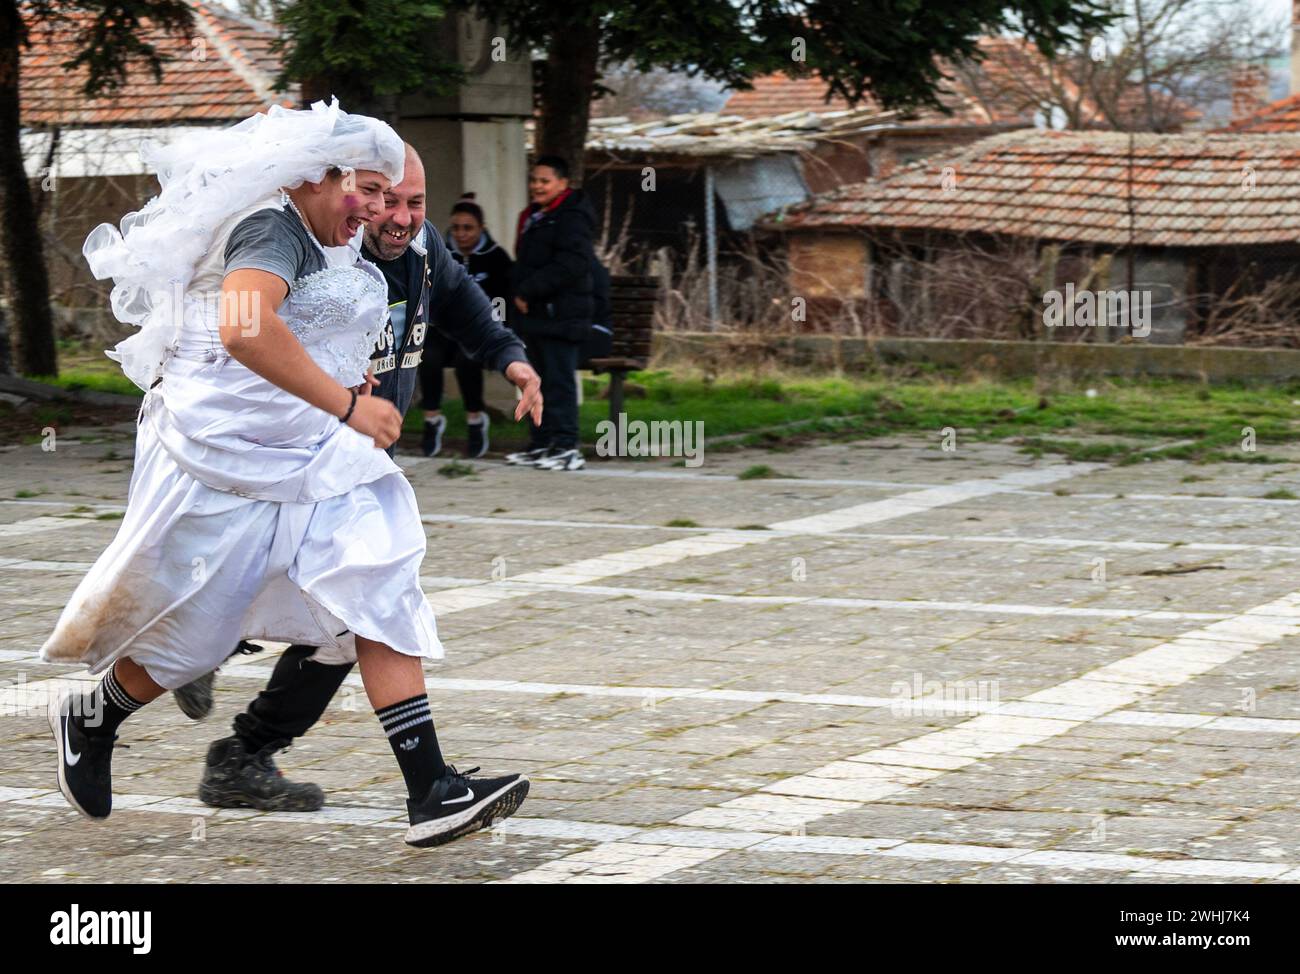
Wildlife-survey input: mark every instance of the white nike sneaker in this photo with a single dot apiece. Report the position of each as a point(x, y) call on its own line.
point(458, 805)
point(525, 458)
point(556, 459)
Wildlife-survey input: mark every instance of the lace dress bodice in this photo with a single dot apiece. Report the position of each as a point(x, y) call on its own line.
point(237, 432)
point(337, 314)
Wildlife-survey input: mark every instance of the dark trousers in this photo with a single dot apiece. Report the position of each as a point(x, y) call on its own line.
point(556, 362)
point(440, 353)
point(293, 700)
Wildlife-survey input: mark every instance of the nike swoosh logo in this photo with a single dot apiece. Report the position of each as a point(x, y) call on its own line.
point(68, 756)
point(468, 796)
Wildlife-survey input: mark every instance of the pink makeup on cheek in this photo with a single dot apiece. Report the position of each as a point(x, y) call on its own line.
point(350, 202)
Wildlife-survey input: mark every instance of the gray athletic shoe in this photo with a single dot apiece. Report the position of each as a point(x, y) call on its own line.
point(195, 698)
point(557, 459)
point(431, 438)
point(234, 778)
point(525, 458)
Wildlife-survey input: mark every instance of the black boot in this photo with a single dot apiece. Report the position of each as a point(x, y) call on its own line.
point(234, 778)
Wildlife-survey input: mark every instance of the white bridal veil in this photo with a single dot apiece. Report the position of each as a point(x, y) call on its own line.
point(207, 178)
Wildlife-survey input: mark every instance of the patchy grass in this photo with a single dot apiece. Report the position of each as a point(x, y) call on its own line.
point(84, 367)
point(681, 522)
point(456, 469)
point(1122, 421)
point(100, 381)
point(1141, 420)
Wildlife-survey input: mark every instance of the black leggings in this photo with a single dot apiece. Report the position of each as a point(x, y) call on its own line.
point(439, 353)
point(293, 700)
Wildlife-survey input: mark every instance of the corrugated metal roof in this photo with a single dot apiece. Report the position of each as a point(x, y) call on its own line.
point(712, 134)
point(1007, 85)
point(1186, 190)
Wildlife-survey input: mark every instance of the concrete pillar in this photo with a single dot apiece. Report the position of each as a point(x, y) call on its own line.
point(472, 140)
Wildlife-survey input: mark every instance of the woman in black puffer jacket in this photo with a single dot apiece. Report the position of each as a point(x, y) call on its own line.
point(551, 282)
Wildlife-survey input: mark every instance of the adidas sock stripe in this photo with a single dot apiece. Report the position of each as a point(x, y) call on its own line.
point(409, 726)
point(105, 707)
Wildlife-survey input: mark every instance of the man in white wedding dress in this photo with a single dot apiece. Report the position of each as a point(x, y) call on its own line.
point(263, 503)
point(427, 288)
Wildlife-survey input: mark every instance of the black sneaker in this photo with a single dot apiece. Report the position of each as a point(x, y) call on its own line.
point(476, 443)
point(85, 763)
point(558, 459)
point(431, 440)
point(234, 778)
point(195, 698)
point(458, 805)
point(526, 458)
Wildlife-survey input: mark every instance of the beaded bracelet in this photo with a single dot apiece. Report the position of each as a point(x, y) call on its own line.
point(348, 415)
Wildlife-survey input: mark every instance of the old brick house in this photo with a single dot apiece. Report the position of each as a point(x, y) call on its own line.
point(955, 244)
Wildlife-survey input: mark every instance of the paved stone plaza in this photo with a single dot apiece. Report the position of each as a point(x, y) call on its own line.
point(1108, 657)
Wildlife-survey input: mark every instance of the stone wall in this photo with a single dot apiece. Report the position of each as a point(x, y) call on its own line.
point(830, 352)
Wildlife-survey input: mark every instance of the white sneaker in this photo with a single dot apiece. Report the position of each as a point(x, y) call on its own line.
point(525, 457)
point(561, 460)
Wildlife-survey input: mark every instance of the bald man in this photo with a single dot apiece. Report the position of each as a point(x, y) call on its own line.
point(426, 285)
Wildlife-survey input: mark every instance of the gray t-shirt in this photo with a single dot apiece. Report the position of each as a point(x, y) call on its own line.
point(273, 240)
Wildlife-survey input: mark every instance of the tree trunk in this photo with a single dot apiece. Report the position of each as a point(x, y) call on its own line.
point(566, 94)
point(22, 257)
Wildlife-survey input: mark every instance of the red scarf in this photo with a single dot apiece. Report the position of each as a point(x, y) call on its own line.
point(531, 208)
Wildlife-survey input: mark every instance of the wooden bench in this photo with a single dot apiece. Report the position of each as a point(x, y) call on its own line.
point(632, 300)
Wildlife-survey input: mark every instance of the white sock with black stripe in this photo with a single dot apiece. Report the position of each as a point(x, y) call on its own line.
point(409, 726)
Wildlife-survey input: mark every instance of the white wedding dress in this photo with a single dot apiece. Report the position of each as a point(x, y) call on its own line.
point(252, 514)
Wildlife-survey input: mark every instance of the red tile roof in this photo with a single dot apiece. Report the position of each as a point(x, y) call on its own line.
point(777, 94)
point(980, 94)
point(1280, 116)
point(1006, 87)
point(1187, 190)
point(222, 70)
